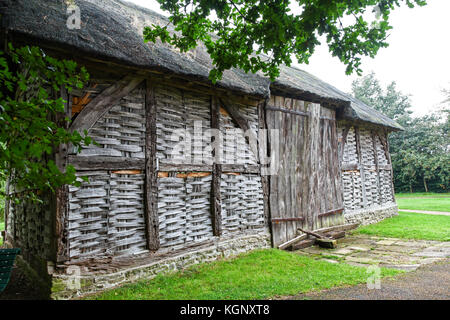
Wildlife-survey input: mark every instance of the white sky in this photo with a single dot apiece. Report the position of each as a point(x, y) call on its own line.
point(418, 57)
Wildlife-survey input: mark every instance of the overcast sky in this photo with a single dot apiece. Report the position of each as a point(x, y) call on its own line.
point(418, 57)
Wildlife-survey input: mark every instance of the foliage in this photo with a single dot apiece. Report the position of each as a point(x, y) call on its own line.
point(260, 274)
point(232, 30)
point(420, 153)
point(30, 104)
point(411, 226)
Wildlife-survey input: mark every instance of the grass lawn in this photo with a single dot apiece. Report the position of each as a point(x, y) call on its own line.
point(411, 226)
point(259, 274)
point(428, 204)
point(422, 194)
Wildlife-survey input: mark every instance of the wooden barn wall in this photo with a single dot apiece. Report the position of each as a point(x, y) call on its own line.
point(29, 226)
point(306, 191)
point(107, 216)
point(366, 167)
point(184, 196)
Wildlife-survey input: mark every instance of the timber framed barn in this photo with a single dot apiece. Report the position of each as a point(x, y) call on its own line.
point(143, 212)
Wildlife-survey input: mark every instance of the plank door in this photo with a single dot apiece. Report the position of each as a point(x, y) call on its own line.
point(306, 190)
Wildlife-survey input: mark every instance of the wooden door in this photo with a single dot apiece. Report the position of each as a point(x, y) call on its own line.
point(306, 190)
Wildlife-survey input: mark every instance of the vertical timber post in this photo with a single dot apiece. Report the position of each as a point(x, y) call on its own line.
point(151, 174)
point(263, 154)
point(62, 193)
point(377, 166)
point(216, 201)
point(361, 166)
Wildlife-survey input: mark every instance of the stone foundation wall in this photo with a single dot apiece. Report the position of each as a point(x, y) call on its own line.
point(372, 214)
point(67, 287)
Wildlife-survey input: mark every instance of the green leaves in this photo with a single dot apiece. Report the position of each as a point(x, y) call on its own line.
point(233, 30)
point(30, 129)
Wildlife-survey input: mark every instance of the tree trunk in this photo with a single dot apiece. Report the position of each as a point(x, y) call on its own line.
point(425, 184)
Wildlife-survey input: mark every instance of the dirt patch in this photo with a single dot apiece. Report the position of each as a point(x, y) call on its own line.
point(20, 288)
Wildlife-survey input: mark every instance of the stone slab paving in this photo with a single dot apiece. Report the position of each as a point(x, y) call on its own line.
point(363, 250)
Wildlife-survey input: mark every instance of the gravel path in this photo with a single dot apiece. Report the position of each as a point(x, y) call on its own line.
point(428, 282)
point(441, 213)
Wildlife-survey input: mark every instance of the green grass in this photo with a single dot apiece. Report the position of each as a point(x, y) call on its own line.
point(411, 226)
point(260, 274)
point(428, 204)
point(422, 194)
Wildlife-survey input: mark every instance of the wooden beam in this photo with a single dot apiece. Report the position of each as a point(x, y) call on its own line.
point(350, 166)
point(262, 149)
point(216, 199)
point(240, 168)
point(289, 243)
point(386, 133)
point(62, 193)
point(102, 103)
point(343, 227)
point(298, 113)
point(361, 166)
point(106, 163)
point(278, 220)
point(330, 213)
point(151, 173)
point(377, 166)
point(344, 141)
point(243, 124)
point(127, 172)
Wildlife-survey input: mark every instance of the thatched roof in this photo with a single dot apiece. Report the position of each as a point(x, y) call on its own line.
point(112, 29)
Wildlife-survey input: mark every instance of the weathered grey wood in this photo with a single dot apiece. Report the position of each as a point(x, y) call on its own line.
point(275, 210)
point(62, 193)
point(361, 166)
point(151, 173)
point(243, 124)
point(385, 167)
point(262, 147)
point(344, 141)
point(350, 166)
point(285, 220)
point(292, 242)
point(216, 198)
point(298, 113)
point(343, 227)
point(303, 244)
point(172, 167)
point(105, 163)
point(240, 168)
point(314, 173)
point(377, 167)
point(386, 150)
point(103, 102)
point(331, 212)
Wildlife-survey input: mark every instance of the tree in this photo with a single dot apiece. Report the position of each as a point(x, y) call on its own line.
point(420, 157)
point(261, 35)
point(30, 104)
